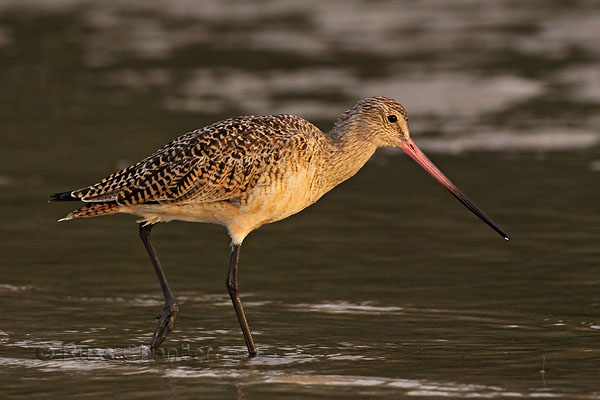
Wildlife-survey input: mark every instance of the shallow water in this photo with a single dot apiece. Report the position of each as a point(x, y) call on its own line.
point(387, 287)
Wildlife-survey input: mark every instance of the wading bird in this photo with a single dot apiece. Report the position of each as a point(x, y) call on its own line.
point(246, 172)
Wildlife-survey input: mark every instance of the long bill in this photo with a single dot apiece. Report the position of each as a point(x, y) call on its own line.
point(416, 154)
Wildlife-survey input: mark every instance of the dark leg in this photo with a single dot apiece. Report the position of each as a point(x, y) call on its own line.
point(233, 288)
point(168, 315)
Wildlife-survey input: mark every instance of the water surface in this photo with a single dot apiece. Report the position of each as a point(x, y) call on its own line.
point(387, 287)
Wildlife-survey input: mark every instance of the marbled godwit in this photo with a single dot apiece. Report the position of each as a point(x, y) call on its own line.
point(245, 172)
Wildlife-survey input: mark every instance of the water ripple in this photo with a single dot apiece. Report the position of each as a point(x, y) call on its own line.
point(346, 307)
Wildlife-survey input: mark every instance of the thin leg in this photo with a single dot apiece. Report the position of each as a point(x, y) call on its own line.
point(233, 288)
point(168, 315)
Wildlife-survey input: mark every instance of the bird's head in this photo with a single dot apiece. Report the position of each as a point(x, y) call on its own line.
point(384, 122)
point(380, 120)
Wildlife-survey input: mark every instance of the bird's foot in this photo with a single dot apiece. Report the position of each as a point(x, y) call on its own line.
point(164, 323)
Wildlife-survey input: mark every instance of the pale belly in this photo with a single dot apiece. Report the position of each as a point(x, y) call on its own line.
point(269, 201)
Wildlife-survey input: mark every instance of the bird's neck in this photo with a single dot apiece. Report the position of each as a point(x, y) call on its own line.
point(347, 152)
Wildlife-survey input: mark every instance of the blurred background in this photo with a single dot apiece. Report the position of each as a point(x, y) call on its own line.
point(387, 286)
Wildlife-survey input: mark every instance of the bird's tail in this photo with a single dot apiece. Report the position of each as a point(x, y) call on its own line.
point(93, 210)
point(63, 196)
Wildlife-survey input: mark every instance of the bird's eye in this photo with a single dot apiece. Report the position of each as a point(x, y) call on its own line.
point(392, 118)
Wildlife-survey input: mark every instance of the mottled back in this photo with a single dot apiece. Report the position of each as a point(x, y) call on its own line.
point(218, 162)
